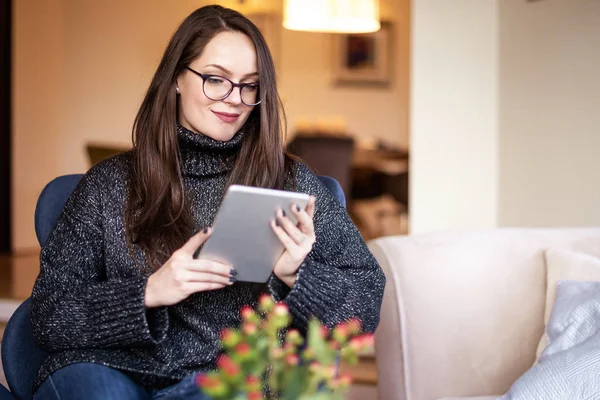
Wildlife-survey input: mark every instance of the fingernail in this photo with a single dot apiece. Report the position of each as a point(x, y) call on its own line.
point(205, 231)
point(282, 213)
point(276, 222)
point(232, 279)
point(297, 208)
point(232, 271)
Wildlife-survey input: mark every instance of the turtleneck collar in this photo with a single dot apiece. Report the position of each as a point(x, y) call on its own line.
point(202, 155)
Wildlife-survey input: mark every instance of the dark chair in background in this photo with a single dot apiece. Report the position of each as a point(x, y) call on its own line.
point(326, 155)
point(21, 357)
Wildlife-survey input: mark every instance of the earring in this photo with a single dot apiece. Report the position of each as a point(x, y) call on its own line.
point(177, 89)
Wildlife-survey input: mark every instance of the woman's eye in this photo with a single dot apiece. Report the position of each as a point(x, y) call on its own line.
point(253, 87)
point(213, 80)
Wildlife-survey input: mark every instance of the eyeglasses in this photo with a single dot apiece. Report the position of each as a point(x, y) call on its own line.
point(217, 87)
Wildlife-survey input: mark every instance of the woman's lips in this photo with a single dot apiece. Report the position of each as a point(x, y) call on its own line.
point(226, 117)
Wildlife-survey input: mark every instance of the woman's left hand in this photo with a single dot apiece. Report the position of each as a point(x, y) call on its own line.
point(296, 239)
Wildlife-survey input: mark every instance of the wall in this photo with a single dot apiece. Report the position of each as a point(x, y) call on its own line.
point(81, 68)
point(307, 84)
point(454, 112)
point(549, 119)
point(39, 60)
point(504, 127)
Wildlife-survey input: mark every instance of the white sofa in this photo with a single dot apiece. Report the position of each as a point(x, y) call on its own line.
point(463, 312)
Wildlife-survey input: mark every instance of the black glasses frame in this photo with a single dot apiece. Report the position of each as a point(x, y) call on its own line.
point(233, 86)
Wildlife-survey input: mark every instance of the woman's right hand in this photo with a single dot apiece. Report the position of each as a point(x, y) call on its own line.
point(182, 275)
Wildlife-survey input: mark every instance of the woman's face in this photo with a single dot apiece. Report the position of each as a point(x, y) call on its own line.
point(229, 55)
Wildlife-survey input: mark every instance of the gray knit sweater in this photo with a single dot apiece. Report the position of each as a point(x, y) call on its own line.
point(88, 301)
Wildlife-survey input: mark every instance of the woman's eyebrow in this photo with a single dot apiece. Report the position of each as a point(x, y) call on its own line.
point(229, 72)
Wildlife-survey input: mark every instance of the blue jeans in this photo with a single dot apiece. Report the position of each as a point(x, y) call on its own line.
point(95, 381)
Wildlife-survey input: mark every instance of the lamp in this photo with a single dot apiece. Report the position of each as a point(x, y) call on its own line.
point(332, 16)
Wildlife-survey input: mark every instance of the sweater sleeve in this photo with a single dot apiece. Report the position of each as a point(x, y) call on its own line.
point(74, 304)
point(339, 279)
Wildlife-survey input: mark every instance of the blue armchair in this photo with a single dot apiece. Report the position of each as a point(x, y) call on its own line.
point(21, 357)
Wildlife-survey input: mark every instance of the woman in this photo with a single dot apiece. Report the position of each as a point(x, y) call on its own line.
point(121, 304)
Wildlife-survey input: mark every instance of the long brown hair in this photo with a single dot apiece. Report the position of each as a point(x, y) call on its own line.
point(158, 217)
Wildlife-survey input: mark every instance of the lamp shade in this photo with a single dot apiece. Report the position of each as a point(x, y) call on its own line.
point(333, 16)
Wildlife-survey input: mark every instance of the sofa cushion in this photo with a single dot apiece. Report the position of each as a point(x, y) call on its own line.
point(566, 265)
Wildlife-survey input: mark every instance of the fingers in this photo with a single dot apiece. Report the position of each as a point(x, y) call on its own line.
point(284, 238)
point(206, 277)
point(194, 287)
point(289, 227)
point(209, 266)
point(190, 247)
point(305, 220)
point(310, 207)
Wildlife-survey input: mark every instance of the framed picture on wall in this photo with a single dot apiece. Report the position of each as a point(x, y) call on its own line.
point(363, 59)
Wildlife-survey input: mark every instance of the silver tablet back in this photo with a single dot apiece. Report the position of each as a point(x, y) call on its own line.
point(242, 235)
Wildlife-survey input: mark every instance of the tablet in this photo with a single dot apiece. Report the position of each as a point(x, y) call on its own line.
point(242, 235)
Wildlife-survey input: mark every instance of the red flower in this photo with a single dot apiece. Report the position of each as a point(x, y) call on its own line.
point(292, 359)
point(252, 383)
point(281, 310)
point(356, 344)
point(368, 341)
point(207, 381)
point(334, 345)
point(230, 337)
point(324, 331)
point(243, 349)
point(277, 353)
point(228, 366)
point(247, 312)
point(315, 366)
point(249, 328)
point(309, 353)
point(341, 333)
point(252, 380)
point(266, 301)
point(256, 395)
point(362, 343)
point(345, 380)
point(293, 336)
point(354, 326)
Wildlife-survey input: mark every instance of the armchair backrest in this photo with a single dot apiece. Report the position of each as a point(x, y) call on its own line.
point(56, 193)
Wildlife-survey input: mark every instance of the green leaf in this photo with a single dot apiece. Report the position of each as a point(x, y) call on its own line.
point(295, 382)
point(323, 352)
